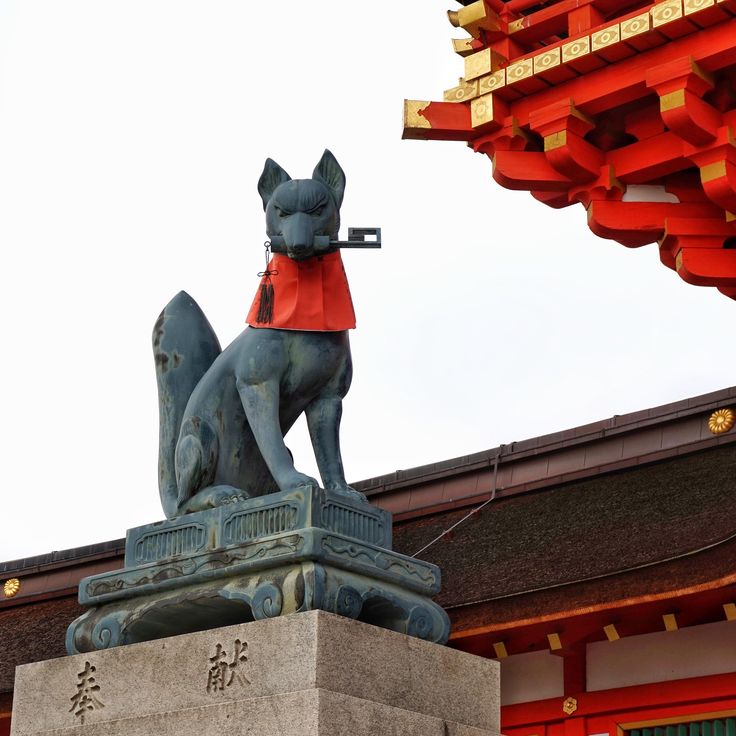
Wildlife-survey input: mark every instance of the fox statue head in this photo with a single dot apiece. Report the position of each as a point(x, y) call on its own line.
point(300, 209)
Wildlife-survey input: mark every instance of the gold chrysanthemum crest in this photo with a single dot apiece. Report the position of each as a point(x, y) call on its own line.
point(11, 587)
point(721, 421)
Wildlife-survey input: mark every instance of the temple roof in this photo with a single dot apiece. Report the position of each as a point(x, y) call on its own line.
point(32, 634)
point(631, 513)
point(585, 543)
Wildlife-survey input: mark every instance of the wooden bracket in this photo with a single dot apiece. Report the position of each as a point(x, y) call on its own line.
point(563, 128)
point(606, 187)
point(717, 167)
point(681, 85)
point(527, 170)
point(694, 248)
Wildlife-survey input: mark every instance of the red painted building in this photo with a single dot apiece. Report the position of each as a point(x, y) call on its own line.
point(598, 564)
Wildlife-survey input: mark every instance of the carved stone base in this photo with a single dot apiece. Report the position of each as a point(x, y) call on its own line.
point(264, 557)
point(309, 674)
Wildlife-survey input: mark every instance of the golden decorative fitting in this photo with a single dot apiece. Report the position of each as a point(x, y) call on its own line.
point(463, 92)
point(462, 46)
point(546, 60)
point(516, 25)
point(709, 172)
point(666, 12)
point(499, 649)
point(481, 111)
point(606, 37)
point(11, 587)
point(721, 421)
point(636, 25)
point(520, 70)
point(555, 140)
point(730, 610)
point(730, 216)
point(555, 642)
point(611, 632)
point(478, 64)
point(670, 622)
point(692, 6)
point(575, 49)
point(412, 118)
point(482, 62)
point(475, 17)
point(569, 706)
point(672, 100)
point(491, 82)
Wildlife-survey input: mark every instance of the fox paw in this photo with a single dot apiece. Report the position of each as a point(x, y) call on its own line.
point(346, 490)
point(298, 481)
point(211, 497)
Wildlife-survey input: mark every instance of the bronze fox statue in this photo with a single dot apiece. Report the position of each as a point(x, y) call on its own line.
point(224, 413)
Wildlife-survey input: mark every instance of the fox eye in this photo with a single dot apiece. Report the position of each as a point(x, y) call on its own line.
point(319, 210)
point(279, 211)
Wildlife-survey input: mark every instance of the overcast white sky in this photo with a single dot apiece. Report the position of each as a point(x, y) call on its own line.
point(132, 135)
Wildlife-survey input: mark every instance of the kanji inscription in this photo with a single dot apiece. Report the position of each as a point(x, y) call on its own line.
point(87, 697)
point(227, 670)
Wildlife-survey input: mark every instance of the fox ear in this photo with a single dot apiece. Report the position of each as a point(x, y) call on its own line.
point(328, 171)
point(272, 176)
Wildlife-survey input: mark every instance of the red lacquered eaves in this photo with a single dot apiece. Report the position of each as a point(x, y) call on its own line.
point(628, 108)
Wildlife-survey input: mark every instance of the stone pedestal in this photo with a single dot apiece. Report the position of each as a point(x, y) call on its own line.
point(260, 558)
point(304, 674)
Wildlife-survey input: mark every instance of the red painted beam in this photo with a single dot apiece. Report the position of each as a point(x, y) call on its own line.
point(650, 159)
point(445, 121)
point(676, 694)
point(634, 224)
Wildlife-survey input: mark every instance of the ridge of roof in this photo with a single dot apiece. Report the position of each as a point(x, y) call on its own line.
point(61, 558)
point(586, 433)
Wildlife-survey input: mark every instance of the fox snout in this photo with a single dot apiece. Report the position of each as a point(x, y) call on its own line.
point(298, 231)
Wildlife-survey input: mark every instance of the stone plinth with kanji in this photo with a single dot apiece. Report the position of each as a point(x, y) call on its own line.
point(307, 673)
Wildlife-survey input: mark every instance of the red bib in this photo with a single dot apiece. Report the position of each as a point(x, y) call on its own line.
point(307, 295)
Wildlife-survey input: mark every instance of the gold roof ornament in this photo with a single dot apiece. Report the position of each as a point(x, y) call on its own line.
point(569, 706)
point(721, 420)
point(11, 587)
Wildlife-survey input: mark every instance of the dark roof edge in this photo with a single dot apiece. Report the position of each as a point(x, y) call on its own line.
point(617, 424)
point(60, 558)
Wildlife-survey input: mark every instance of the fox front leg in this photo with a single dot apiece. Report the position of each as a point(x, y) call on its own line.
point(261, 404)
point(323, 420)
